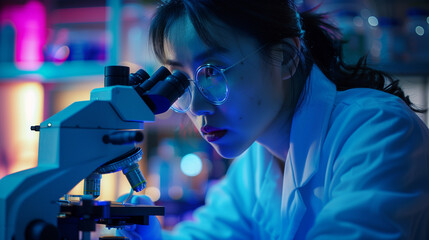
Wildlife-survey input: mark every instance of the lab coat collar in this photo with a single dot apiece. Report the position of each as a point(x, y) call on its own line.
point(309, 127)
point(266, 209)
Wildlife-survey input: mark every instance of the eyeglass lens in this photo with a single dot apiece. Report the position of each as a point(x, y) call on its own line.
point(211, 83)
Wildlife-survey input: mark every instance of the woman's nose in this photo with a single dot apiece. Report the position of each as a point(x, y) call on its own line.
point(200, 105)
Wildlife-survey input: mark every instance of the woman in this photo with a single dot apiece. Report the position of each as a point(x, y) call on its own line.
point(324, 150)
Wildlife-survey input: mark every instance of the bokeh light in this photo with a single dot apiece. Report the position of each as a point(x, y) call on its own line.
point(191, 165)
point(373, 21)
point(61, 54)
point(153, 193)
point(420, 30)
point(358, 21)
point(175, 192)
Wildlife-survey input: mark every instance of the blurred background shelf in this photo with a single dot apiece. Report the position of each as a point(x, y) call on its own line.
point(53, 73)
point(404, 69)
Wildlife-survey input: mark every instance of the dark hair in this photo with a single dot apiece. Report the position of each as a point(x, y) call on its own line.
point(270, 22)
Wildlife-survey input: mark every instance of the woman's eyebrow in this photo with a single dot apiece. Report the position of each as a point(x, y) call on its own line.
point(173, 63)
point(210, 53)
point(200, 57)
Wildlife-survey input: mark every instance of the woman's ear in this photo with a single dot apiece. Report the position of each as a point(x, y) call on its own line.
point(290, 49)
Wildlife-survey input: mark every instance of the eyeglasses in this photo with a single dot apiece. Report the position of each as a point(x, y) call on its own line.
point(211, 82)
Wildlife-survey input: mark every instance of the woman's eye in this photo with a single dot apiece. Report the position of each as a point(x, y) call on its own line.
point(210, 72)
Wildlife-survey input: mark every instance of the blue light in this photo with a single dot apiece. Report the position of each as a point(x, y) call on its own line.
point(191, 165)
point(420, 30)
point(373, 21)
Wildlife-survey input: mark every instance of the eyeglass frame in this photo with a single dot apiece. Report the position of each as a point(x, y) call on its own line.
point(222, 71)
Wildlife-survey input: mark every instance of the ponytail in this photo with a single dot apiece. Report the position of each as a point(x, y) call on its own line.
point(324, 43)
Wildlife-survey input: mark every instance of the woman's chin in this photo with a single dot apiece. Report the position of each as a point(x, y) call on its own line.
point(228, 152)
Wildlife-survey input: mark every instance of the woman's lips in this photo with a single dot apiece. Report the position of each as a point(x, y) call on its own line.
point(212, 134)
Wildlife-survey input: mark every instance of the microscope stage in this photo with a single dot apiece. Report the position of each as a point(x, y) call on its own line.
point(112, 214)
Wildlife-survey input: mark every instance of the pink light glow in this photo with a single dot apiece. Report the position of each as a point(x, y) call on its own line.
point(61, 55)
point(29, 21)
point(86, 15)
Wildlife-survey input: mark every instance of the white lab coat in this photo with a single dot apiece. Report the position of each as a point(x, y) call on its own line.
point(357, 168)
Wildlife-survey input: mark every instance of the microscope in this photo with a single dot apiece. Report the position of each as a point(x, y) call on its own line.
point(84, 141)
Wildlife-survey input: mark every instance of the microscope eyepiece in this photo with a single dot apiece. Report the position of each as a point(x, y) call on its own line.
point(163, 89)
point(116, 75)
point(138, 77)
point(159, 91)
point(159, 75)
point(172, 87)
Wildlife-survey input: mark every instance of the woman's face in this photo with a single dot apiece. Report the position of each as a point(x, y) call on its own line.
point(257, 95)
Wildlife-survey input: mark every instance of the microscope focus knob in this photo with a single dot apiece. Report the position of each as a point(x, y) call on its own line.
point(41, 230)
point(123, 137)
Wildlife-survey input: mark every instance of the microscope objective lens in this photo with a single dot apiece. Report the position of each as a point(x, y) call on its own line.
point(92, 185)
point(135, 177)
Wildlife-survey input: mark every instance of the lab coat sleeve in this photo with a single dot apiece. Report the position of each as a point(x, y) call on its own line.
point(378, 187)
point(225, 214)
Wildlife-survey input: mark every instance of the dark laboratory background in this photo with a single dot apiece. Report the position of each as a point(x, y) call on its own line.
point(53, 53)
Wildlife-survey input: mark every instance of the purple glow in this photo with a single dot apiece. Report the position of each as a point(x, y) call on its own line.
point(61, 55)
point(29, 22)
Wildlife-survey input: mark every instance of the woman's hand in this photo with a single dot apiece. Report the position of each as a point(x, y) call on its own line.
point(140, 232)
